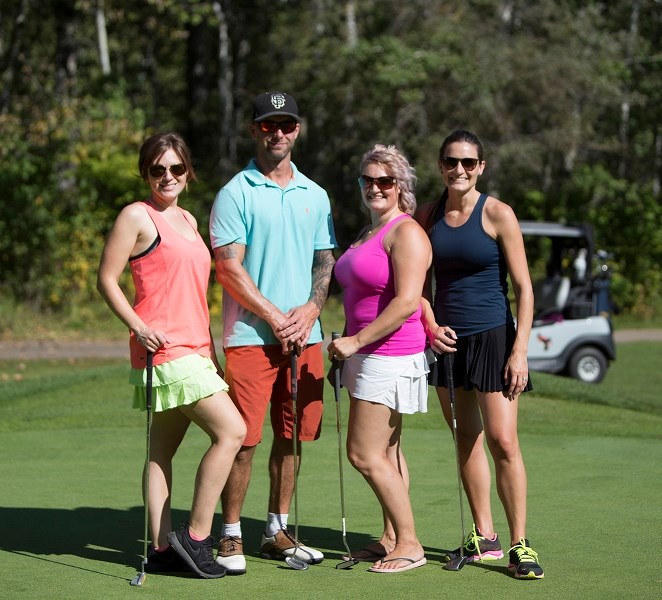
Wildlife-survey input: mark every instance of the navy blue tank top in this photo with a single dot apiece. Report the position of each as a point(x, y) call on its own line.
point(471, 294)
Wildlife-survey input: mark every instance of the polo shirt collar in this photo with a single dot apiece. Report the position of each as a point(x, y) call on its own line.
point(255, 177)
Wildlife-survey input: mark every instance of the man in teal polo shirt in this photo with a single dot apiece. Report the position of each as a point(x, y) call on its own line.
point(273, 240)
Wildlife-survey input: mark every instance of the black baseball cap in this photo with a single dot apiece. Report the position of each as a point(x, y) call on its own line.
point(270, 104)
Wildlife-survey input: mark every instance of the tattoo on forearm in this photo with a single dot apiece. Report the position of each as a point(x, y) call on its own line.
point(323, 262)
point(225, 252)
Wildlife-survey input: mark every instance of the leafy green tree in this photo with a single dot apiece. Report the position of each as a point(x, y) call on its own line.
point(564, 94)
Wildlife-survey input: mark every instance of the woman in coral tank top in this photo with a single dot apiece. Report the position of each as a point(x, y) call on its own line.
point(169, 317)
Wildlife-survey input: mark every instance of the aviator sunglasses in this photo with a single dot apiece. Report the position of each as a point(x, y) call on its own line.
point(468, 164)
point(383, 183)
point(273, 126)
point(176, 170)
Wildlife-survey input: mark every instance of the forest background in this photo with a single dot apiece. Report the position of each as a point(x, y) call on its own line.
point(565, 95)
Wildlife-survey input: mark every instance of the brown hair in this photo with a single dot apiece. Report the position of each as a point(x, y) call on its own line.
point(156, 145)
point(462, 135)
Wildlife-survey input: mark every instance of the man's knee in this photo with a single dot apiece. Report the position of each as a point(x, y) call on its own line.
point(245, 456)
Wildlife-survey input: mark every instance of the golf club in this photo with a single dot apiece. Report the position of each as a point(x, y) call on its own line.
point(293, 561)
point(140, 577)
point(350, 562)
point(457, 561)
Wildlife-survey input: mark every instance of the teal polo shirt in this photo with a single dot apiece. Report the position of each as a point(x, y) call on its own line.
point(281, 228)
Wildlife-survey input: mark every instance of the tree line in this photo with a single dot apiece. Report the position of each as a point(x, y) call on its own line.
point(564, 94)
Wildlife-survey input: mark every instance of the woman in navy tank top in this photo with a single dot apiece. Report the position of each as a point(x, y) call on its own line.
point(476, 244)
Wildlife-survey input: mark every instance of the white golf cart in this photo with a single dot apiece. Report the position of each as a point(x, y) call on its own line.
point(572, 331)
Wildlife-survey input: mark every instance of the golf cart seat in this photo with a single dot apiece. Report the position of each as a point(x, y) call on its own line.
point(551, 296)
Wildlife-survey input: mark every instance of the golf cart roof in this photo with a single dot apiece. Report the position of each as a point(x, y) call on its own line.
point(564, 238)
point(549, 229)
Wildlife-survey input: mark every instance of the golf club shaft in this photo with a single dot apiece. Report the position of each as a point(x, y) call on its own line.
point(148, 407)
point(448, 357)
point(295, 436)
point(336, 389)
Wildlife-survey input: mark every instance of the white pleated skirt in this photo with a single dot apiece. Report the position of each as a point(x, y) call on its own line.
point(399, 382)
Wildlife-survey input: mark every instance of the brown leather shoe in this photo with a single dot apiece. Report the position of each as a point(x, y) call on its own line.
point(282, 545)
point(231, 555)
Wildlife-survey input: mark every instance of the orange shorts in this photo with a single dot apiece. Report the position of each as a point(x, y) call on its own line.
point(258, 375)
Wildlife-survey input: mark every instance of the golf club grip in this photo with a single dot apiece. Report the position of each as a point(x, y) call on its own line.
point(336, 369)
point(149, 367)
point(293, 375)
point(448, 357)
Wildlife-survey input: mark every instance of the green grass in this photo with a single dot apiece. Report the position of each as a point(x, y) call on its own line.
point(72, 451)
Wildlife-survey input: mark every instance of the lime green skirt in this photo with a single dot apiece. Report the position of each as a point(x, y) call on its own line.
point(178, 382)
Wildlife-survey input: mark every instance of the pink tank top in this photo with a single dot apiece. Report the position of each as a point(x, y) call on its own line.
point(366, 274)
point(171, 283)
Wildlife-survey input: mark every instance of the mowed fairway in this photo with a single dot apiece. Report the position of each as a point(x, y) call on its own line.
point(72, 519)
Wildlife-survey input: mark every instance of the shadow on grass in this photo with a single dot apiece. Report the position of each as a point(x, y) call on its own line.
point(115, 536)
point(97, 534)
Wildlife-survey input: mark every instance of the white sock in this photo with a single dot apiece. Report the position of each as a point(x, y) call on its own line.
point(232, 529)
point(275, 523)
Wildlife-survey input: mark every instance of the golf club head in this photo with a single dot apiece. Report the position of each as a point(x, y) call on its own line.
point(296, 563)
point(138, 579)
point(347, 564)
point(456, 562)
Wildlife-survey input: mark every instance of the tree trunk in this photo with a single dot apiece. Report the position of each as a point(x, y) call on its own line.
point(198, 60)
point(8, 59)
point(227, 137)
point(103, 38)
point(66, 60)
point(624, 128)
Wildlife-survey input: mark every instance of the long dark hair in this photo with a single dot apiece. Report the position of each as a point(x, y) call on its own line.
point(461, 135)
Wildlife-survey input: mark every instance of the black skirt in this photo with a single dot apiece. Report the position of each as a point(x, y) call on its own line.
point(478, 362)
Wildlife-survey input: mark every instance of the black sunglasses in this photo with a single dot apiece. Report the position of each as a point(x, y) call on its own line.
point(468, 164)
point(383, 183)
point(273, 126)
point(176, 170)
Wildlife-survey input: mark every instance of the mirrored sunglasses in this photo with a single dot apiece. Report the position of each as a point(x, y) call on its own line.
point(273, 126)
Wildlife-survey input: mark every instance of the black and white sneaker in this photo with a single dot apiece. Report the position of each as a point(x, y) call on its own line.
point(524, 561)
point(167, 561)
point(199, 556)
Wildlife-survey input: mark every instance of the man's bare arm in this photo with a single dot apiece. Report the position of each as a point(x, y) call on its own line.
point(230, 273)
point(323, 262)
point(301, 319)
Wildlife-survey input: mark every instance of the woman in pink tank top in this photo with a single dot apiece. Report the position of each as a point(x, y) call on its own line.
point(170, 264)
point(385, 368)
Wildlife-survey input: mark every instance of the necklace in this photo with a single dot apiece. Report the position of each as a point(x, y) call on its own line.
point(376, 228)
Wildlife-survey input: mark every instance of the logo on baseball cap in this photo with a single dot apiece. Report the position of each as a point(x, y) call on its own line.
point(270, 104)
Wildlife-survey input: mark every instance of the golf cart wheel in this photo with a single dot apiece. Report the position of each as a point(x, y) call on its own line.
point(588, 364)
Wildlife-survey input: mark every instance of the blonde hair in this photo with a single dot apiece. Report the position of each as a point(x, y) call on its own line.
point(396, 165)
